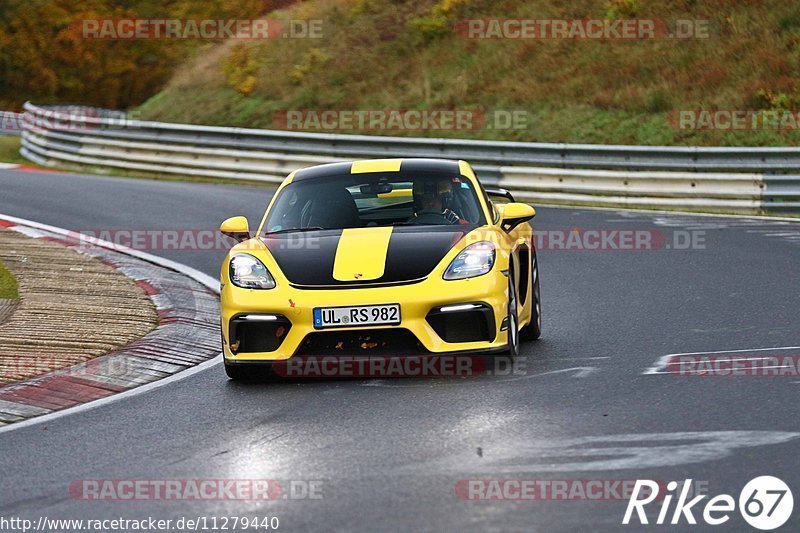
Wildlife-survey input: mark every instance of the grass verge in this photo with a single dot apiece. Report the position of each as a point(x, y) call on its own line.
point(9, 150)
point(8, 284)
point(155, 176)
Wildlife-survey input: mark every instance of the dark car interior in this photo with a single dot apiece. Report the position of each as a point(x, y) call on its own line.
point(342, 203)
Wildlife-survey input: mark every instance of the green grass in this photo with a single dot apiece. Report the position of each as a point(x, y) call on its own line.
point(9, 150)
point(382, 54)
point(8, 284)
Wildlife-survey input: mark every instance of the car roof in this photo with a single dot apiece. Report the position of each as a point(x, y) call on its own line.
point(366, 166)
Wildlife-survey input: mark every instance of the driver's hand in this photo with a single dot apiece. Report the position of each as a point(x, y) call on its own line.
point(451, 216)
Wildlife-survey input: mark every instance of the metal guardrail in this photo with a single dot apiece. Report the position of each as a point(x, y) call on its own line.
point(10, 123)
point(633, 176)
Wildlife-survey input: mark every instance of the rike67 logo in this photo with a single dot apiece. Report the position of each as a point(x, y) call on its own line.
point(765, 503)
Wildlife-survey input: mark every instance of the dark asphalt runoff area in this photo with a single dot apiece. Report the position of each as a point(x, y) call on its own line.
point(590, 403)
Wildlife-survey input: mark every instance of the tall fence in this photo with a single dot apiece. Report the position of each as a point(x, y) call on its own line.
point(717, 179)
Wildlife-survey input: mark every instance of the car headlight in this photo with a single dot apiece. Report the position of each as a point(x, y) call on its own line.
point(475, 260)
point(248, 272)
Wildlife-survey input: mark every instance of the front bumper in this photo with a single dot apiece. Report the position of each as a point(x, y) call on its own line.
point(420, 302)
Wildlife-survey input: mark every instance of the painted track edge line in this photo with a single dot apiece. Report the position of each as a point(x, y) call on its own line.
point(183, 374)
point(204, 279)
point(661, 362)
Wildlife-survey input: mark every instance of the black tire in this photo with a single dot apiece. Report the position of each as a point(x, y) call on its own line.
point(246, 372)
point(533, 331)
point(513, 319)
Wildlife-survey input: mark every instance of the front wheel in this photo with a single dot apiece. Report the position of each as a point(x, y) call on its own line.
point(533, 330)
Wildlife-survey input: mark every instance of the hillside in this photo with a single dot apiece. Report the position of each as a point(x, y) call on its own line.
point(378, 55)
point(408, 55)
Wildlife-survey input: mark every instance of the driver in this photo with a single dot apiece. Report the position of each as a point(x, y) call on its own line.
point(432, 198)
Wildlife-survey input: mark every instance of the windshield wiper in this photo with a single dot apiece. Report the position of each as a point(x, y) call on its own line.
point(289, 230)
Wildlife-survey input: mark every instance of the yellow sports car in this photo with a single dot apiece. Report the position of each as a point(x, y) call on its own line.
point(380, 257)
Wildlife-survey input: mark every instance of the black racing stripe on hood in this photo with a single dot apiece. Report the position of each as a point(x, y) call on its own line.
point(308, 258)
point(305, 258)
point(414, 252)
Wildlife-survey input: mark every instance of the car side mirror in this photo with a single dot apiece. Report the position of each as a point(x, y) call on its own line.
point(237, 228)
point(496, 192)
point(515, 214)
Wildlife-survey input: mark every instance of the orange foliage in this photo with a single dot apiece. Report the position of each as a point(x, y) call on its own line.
point(44, 57)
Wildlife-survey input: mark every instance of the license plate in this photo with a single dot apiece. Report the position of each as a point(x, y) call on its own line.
point(364, 315)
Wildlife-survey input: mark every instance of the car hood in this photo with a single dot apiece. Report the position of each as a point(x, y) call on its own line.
point(362, 255)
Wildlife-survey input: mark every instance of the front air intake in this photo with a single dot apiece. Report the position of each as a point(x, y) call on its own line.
point(471, 322)
point(251, 333)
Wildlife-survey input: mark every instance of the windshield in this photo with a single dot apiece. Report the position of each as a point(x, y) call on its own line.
point(356, 201)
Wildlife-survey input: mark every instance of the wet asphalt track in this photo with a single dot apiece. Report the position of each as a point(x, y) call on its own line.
point(389, 453)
